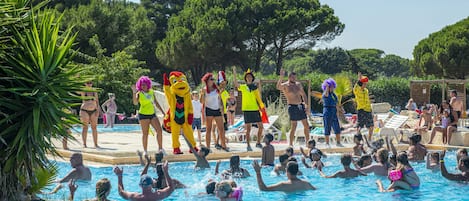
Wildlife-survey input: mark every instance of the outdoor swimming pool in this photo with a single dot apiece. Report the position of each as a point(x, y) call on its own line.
point(433, 187)
point(117, 128)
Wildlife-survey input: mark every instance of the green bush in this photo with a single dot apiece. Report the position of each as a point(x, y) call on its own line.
point(394, 90)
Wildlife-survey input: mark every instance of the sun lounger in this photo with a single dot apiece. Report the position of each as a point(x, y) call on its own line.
point(391, 127)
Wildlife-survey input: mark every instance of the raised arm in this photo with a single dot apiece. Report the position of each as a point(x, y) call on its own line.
point(444, 171)
point(260, 181)
point(326, 92)
point(235, 80)
point(145, 169)
point(164, 193)
point(280, 80)
point(120, 185)
point(134, 95)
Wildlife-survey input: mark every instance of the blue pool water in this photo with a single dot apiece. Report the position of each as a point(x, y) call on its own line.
point(117, 128)
point(433, 187)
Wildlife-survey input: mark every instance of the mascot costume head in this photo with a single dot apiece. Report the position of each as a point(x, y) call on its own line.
point(180, 114)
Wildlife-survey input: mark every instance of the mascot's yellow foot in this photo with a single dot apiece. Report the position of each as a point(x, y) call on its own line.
point(177, 151)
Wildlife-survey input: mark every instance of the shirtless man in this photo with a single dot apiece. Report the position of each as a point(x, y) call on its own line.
point(293, 184)
point(347, 172)
point(79, 171)
point(146, 185)
point(297, 107)
point(456, 103)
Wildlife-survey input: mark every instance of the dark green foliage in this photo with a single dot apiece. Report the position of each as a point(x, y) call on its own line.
point(444, 53)
point(37, 87)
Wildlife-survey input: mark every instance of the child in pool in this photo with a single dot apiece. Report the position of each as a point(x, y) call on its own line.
point(358, 149)
point(268, 151)
point(364, 161)
point(235, 171)
point(403, 177)
point(225, 192)
point(315, 156)
point(289, 151)
point(311, 145)
point(283, 164)
point(432, 161)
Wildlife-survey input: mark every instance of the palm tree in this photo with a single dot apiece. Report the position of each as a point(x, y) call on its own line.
point(37, 84)
point(343, 90)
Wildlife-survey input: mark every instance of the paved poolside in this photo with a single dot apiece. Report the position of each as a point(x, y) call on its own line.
point(120, 148)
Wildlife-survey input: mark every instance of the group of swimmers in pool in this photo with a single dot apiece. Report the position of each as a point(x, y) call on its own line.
point(396, 167)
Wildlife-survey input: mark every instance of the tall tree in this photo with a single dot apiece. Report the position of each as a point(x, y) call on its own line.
point(300, 24)
point(200, 38)
point(444, 53)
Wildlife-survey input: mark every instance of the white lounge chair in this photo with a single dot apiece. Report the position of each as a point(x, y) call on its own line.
point(391, 126)
point(240, 132)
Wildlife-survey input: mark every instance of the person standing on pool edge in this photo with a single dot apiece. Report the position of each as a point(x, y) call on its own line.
point(330, 100)
point(144, 96)
point(297, 108)
point(251, 103)
point(362, 98)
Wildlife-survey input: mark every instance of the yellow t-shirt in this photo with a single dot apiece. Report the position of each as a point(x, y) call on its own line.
point(362, 98)
point(224, 97)
point(146, 103)
point(249, 98)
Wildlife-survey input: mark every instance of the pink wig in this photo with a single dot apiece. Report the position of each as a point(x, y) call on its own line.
point(144, 80)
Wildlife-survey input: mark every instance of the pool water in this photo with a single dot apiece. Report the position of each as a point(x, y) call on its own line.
point(117, 128)
point(433, 185)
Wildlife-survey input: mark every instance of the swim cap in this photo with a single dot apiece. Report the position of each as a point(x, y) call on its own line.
point(145, 180)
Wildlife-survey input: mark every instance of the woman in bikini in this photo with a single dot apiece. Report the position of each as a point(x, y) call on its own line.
point(231, 106)
point(144, 96)
point(89, 112)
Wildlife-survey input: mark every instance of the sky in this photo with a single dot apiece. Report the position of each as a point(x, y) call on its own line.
point(394, 26)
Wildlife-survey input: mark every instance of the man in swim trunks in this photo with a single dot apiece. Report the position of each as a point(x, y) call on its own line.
point(79, 170)
point(297, 107)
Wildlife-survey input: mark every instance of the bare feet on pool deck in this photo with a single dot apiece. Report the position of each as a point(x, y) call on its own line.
point(84, 146)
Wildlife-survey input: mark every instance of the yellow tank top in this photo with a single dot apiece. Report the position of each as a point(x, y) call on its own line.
point(146, 102)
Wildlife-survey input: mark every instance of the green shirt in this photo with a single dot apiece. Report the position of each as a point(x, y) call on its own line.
point(146, 102)
point(248, 101)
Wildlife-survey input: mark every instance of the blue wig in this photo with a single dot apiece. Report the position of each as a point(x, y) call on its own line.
point(328, 82)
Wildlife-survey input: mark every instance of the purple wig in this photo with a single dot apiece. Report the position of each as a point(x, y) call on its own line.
point(330, 82)
point(144, 80)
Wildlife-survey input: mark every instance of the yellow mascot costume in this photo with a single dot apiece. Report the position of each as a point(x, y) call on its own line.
point(180, 114)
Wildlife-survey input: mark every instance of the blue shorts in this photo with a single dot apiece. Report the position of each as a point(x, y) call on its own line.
point(197, 123)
